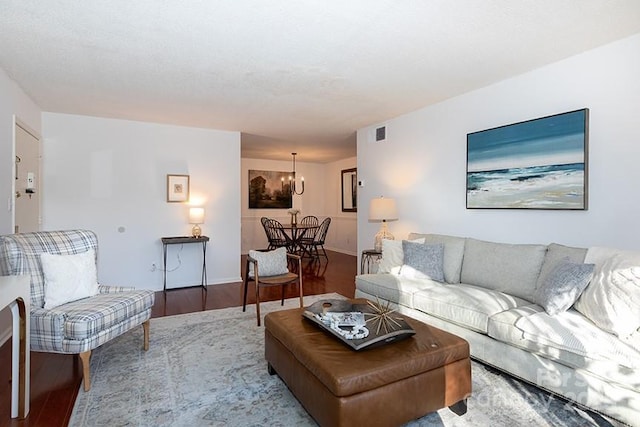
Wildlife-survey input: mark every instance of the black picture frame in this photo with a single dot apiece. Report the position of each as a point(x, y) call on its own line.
point(269, 190)
point(534, 164)
point(349, 185)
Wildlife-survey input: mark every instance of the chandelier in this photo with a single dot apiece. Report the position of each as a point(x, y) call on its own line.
point(292, 179)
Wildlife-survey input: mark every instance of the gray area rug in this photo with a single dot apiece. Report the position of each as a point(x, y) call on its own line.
point(208, 369)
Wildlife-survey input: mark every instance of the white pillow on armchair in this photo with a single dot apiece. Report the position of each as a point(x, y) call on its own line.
point(68, 277)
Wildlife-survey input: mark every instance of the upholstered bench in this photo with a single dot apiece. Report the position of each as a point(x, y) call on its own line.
point(383, 386)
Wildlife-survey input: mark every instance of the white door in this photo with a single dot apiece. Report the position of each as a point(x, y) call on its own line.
point(27, 181)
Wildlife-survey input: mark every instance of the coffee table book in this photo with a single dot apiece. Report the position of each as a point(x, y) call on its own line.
point(375, 338)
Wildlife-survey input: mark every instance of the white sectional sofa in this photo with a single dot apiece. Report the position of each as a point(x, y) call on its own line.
point(487, 294)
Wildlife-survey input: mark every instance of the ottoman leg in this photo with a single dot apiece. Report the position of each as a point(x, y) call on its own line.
point(270, 369)
point(459, 408)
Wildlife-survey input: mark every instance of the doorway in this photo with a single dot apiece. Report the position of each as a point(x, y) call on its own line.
point(27, 187)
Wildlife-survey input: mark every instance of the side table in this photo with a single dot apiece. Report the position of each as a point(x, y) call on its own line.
point(166, 241)
point(369, 256)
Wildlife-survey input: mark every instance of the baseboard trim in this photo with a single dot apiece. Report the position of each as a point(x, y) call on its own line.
point(342, 251)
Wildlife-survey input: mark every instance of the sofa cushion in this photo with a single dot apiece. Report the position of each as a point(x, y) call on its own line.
point(394, 288)
point(392, 256)
point(612, 299)
point(508, 268)
point(466, 305)
point(568, 338)
point(87, 318)
point(422, 261)
point(562, 287)
point(453, 253)
point(633, 340)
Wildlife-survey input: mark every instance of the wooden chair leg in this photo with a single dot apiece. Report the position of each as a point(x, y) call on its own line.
point(246, 287)
point(145, 328)
point(244, 293)
point(258, 300)
point(300, 282)
point(84, 358)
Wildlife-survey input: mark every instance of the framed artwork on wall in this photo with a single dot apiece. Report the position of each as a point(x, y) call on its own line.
point(536, 164)
point(177, 188)
point(269, 190)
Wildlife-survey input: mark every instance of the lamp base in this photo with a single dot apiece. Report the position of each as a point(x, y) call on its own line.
point(382, 234)
point(196, 231)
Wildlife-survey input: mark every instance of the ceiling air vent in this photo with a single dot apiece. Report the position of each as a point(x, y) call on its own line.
point(378, 134)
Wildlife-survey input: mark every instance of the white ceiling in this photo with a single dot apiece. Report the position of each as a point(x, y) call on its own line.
point(297, 75)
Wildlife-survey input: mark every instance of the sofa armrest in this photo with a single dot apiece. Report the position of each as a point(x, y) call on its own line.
point(47, 329)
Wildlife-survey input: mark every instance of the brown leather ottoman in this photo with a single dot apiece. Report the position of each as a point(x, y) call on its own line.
point(383, 386)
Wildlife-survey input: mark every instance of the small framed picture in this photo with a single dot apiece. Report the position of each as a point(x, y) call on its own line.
point(177, 188)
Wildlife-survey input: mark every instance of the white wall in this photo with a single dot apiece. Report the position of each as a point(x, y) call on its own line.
point(14, 104)
point(342, 235)
point(423, 164)
point(110, 176)
point(321, 198)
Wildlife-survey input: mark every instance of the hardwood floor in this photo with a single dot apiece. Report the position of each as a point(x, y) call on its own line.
point(56, 378)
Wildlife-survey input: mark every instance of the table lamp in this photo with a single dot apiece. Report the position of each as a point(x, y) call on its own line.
point(381, 209)
point(196, 217)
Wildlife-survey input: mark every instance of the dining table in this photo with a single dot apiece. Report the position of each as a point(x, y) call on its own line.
point(297, 232)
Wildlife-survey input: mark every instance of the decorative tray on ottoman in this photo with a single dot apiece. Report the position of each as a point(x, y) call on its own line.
point(359, 324)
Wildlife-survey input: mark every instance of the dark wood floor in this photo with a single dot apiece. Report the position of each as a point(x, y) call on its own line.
point(56, 378)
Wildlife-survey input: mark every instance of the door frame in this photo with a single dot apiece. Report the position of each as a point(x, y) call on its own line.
point(18, 122)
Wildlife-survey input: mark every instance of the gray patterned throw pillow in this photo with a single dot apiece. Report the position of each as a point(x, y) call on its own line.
point(423, 261)
point(270, 263)
point(563, 286)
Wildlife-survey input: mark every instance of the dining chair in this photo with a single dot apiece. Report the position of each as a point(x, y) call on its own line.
point(276, 235)
point(270, 240)
point(310, 220)
point(319, 239)
point(271, 268)
point(307, 239)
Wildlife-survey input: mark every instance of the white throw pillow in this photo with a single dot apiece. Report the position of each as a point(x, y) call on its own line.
point(271, 263)
point(393, 256)
point(612, 299)
point(68, 277)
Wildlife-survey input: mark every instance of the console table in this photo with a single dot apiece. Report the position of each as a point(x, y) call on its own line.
point(15, 291)
point(166, 241)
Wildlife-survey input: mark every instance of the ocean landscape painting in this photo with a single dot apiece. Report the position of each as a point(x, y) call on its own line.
point(537, 164)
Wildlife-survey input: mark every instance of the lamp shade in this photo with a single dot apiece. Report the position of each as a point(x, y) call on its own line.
point(381, 209)
point(196, 215)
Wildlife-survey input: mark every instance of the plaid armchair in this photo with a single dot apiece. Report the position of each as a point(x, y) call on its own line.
point(79, 326)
